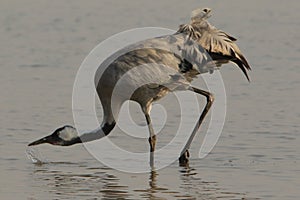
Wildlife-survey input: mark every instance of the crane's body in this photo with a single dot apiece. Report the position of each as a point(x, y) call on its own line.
point(149, 69)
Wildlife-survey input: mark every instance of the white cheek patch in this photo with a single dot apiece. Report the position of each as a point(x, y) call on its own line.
point(67, 134)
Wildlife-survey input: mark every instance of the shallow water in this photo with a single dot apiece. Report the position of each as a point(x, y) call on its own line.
point(42, 46)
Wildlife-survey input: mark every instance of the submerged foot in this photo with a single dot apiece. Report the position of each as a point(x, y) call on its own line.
point(184, 158)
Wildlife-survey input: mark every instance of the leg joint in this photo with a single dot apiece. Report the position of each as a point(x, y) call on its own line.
point(152, 139)
point(210, 98)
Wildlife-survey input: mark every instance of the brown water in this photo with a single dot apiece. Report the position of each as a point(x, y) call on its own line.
point(43, 44)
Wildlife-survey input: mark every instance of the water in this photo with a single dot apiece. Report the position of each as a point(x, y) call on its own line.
point(42, 46)
point(35, 156)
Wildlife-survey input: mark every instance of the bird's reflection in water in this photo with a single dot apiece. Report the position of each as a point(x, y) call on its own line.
point(94, 183)
point(193, 183)
point(153, 187)
point(169, 184)
point(152, 181)
point(152, 190)
point(73, 180)
point(112, 189)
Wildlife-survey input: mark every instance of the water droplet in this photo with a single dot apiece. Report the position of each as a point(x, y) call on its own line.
point(35, 156)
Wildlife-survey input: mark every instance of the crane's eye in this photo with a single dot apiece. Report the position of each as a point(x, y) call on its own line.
point(205, 10)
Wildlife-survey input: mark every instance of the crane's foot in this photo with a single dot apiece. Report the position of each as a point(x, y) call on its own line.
point(184, 158)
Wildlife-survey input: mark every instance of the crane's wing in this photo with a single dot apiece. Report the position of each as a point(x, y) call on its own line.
point(220, 45)
point(222, 48)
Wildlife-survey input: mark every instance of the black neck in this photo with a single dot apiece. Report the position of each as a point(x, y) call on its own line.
point(93, 135)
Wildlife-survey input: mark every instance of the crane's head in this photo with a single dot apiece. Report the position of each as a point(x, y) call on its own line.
point(200, 14)
point(64, 136)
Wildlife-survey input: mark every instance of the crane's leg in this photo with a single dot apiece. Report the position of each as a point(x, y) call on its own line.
point(184, 156)
point(152, 139)
point(152, 136)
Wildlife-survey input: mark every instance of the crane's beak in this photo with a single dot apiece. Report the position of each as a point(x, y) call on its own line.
point(40, 141)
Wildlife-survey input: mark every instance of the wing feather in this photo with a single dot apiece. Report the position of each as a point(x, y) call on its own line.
point(220, 45)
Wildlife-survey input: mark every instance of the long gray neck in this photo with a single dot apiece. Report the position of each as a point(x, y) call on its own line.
point(96, 134)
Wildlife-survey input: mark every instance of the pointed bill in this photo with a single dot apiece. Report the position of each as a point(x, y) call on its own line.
point(40, 141)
